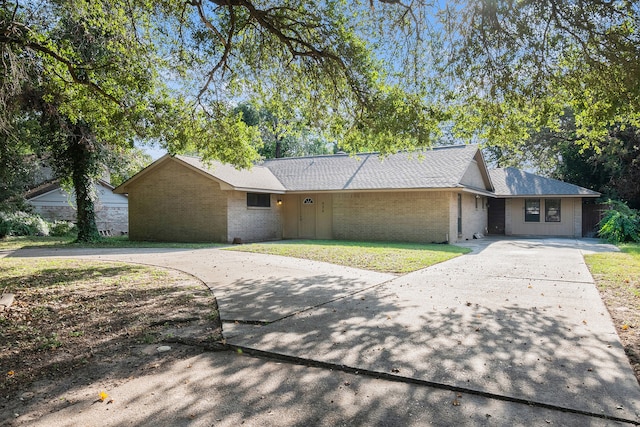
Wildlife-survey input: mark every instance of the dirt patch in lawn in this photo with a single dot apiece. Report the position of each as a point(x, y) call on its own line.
point(75, 323)
point(625, 313)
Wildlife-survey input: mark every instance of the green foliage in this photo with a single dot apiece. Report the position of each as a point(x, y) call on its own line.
point(62, 229)
point(96, 77)
point(5, 228)
point(23, 224)
point(281, 136)
point(510, 77)
point(611, 168)
point(620, 224)
point(396, 121)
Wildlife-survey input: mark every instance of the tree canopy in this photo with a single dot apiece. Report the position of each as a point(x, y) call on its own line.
point(384, 74)
point(378, 75)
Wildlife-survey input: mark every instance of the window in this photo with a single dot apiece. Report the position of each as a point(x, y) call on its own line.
point(552, 210)
point(307, 201)
point(532, 210)
point(259, 200)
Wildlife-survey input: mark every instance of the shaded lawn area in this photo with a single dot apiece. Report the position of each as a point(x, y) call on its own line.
point(74, 321)
point(383, 257)
point(617, 276)
point(22, 242)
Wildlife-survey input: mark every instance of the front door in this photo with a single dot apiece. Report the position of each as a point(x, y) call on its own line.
point(496, 217)
point(308, 217)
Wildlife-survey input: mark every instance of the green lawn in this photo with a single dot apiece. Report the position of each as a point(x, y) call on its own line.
point(618, 272)
point(20, 242)
point(376, 256)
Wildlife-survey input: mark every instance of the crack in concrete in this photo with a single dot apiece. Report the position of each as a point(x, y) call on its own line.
point(424, 383)
point(539, 279)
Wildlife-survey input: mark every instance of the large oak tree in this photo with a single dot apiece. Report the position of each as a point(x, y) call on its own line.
point(376, 74)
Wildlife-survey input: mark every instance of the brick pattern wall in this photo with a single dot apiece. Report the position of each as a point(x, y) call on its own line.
point(253, 224)
point(110, 220)
point(113, 221)
point(474, 216)
point(56, 213)
point(177, 204)
point(416, 216)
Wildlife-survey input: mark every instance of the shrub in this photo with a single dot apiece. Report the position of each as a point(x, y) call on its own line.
point(23, 224)
point(620, 223)
point(61, 228)
point(5, 228)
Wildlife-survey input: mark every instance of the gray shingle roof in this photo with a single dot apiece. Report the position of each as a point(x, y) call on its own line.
point(258, 178)
point(515, 182)
point(440, 167)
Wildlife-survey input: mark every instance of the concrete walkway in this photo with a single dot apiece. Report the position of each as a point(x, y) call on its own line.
point(515, 321)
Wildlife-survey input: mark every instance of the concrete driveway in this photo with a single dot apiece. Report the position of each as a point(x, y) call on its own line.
point(515, 322)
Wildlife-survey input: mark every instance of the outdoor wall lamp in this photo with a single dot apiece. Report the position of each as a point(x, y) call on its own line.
point(279, 201)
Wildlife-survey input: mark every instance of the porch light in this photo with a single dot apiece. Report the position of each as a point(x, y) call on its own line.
point(279, 201)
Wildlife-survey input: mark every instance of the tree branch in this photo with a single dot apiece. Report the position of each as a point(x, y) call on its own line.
point(73, 71)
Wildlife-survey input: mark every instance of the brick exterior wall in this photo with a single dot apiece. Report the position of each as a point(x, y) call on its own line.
point(253, 224)
point(112, 217)
point(474, 216)
point(112, 221)
point(175, 203)
point(56, 213)
point(411, 216)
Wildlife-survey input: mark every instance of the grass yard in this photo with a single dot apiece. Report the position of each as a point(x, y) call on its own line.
point(12, 243)
point(617, 276)
point(74, 321)
point(21, 242)
point(398, 258)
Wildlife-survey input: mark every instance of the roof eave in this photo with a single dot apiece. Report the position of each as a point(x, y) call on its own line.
point(546, 195)
point(257, 190)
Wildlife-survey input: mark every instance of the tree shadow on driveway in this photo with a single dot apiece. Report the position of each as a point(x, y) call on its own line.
point(538, 351)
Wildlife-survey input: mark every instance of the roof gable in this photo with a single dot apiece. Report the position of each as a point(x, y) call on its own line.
point(48, 187)
point(511, 182)
point(256, 179)
point(440, 167)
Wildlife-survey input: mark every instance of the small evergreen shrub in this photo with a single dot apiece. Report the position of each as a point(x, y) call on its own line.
point(620, 223)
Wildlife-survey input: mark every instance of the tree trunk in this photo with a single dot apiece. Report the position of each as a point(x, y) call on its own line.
point(82, 156)
point(278, 147)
